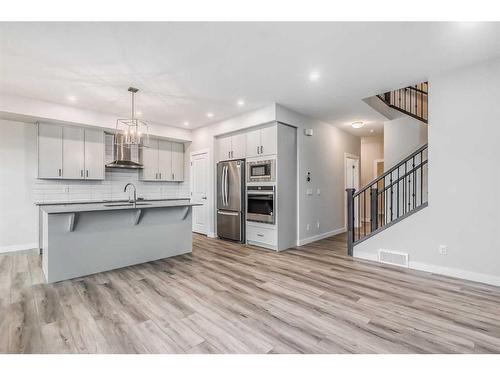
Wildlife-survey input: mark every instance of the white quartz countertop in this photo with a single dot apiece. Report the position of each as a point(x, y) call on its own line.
point(90, 201)
point(113, 206)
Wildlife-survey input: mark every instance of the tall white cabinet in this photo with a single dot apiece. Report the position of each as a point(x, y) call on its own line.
point(163, 161)
point(70, 152)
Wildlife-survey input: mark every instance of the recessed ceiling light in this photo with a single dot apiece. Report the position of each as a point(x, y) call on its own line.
point(371, 131)
point(72, 98)
point(186, 123)
point(314, 76)
point(358, 124)
point(210, 115)
point(241, 103)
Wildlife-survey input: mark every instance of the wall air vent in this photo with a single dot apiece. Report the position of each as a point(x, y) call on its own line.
point(395, 258)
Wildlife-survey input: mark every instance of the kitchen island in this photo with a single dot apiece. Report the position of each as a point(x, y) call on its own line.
point(82, 239)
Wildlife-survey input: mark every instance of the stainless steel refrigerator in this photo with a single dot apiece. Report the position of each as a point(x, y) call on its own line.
point(231, 200)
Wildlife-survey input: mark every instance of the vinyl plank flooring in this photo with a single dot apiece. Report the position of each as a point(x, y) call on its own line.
point(231, 298)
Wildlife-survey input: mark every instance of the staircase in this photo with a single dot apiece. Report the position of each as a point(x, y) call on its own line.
point(411, 100)
point(398, 193)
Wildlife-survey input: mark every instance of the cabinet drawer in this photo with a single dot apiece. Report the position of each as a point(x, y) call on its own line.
point(264, 235)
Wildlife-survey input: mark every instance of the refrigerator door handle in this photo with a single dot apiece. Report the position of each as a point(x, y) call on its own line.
point(226, 186)
point(222, 185)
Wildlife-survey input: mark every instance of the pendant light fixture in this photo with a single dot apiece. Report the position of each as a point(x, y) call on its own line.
point(132, 131)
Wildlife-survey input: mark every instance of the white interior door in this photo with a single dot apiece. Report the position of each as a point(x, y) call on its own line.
point(199, 192)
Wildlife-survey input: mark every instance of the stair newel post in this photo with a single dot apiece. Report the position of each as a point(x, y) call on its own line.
point(350, 220)
point(373, 209)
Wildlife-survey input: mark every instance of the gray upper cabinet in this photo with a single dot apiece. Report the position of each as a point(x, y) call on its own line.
point(69, 152)
point(50, 151)
point(163, 161)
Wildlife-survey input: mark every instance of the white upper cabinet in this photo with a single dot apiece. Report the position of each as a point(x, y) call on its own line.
point(178, 161)
point(269, 140)
point(224, 148)
point(232, 147)
point(94, 154)
point(263, 141)
point(73, 153)
point(69, 152)
point(253, 143)
point(163, 161)
point(50, 149)
point(238, 146)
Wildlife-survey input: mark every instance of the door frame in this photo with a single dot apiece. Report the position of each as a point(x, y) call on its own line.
point(375, 163)
point(209, 183)
point(356, 157)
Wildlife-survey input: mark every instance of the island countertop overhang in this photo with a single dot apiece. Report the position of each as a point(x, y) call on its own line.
point(75, 208)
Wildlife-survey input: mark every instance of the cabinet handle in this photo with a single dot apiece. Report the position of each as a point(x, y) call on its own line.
point(60, 172)
point(87, 174)
point(261, 149)
point(260, 235)
point(173, 176)
point(160, 176)
point(258, 150)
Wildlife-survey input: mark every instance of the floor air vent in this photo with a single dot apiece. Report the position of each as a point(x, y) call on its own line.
point(393, 257)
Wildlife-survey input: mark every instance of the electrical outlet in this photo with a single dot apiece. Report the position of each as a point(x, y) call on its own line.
point(308, 227)
point(443, 249)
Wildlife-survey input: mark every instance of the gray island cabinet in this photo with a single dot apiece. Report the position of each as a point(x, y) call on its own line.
point(82, 239)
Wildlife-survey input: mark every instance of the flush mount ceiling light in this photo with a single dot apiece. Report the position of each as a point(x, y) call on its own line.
point(131, 131)
point(358, 124)
point(314, 76)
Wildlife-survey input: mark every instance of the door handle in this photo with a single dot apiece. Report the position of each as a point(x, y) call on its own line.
point(203, 197)
point(228, 213)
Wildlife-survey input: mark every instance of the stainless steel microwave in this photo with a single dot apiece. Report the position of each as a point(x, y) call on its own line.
point(261, 171)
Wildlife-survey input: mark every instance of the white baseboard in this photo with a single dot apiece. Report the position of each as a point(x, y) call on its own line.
point(20, 247)
point(440, 270)
point(212, 235)
point(305, 241)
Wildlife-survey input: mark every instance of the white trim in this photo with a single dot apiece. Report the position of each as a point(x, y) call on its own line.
point(440, 270)
point(212, 235)
point(321, 236)
point(20, 247)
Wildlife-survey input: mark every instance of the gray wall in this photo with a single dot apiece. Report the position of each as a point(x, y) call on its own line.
point(464, 174)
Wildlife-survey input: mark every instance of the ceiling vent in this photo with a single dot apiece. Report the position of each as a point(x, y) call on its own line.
point(395, 258)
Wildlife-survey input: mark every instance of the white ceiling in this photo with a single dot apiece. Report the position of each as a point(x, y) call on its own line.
point(185, 70)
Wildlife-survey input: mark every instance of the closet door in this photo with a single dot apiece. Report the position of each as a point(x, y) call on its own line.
point(49, 151)
point(94, 154)
point(178, 161)
point(73, 153)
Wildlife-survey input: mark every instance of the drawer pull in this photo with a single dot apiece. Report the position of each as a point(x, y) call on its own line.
point(260, 235)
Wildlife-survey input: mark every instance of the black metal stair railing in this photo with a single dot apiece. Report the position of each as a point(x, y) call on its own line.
point(396, 194)
point(411, 100)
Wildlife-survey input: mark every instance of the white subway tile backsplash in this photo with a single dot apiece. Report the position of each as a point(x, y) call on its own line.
point(109, 189)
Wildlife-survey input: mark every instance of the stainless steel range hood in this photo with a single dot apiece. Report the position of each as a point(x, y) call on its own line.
point(125, 156)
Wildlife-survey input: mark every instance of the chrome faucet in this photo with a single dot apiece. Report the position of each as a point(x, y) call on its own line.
point(134, 201)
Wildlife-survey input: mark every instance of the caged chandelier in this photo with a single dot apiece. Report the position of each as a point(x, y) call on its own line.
point(132, 130)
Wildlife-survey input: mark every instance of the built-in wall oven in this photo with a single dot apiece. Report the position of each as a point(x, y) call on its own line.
point(261, 204)
point(261, 170)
